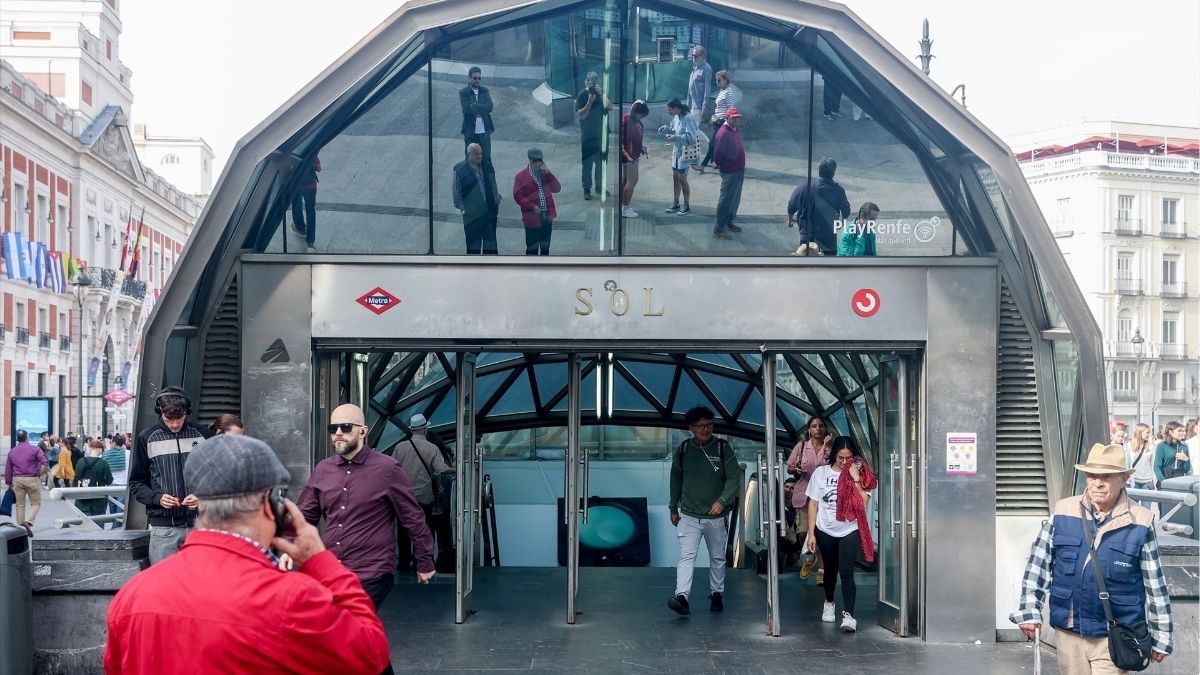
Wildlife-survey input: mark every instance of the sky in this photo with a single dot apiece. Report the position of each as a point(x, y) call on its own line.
point(217, 68)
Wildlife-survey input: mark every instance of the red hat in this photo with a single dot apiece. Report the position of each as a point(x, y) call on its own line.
point(732, 112)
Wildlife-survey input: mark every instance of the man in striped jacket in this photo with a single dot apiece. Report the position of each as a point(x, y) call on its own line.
point(156, 477)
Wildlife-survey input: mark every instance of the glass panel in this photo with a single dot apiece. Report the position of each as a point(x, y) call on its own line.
point(1066, 378)
point(889, 543)
point(529, 89)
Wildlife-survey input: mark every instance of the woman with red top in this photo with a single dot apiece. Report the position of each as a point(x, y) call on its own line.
point(632, 152)
point(837, 522)
point(811, 452)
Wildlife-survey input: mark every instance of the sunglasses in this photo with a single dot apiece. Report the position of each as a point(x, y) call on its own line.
point(344, 427)
point(845, 459)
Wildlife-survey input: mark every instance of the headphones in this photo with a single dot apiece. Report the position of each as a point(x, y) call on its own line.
point(176, 392)
point(279, 508)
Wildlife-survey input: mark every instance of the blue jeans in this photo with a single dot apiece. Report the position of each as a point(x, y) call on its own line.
point(1142, 485)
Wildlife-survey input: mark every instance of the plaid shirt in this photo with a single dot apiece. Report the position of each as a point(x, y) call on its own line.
point(1036, 581)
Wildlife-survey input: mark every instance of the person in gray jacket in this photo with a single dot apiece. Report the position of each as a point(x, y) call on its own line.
point(422, 461)
point(478, 200)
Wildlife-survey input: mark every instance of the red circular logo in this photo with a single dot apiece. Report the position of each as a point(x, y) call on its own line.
point(865, 302)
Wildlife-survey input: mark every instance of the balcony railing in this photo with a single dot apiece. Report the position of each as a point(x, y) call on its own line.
point(64, 342)
point(2, 332)
point(1173, 230)
point(1129, 286)
point(1124, 395)
point(102, 278)
point(1128, 226)
point(1124, 350)
point(22, 336)
point(1174, 396)
point(44, 340)
point(1173, 350)
point(1174, 290)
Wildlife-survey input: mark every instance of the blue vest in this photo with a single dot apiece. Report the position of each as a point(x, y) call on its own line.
point(1073, 589)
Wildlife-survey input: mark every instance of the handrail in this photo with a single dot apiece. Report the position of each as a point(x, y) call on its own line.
point(74, 493)
point(490, 533)
point(1179, 499)
point(109, 492)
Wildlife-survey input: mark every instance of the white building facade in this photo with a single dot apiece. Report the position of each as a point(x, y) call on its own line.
point(71, 182)
point(1124, 202)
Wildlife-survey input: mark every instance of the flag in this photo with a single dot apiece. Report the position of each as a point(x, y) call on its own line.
point(72, 268)
point(15, 251)
point(37, 254)
point(58, 278)
point(128, 236)
point(137, 245)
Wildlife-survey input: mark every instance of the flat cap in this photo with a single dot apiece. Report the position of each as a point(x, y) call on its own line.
point(534, 153)
point(230, 466)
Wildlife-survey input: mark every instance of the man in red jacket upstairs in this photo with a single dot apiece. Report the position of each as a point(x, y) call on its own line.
point(223, 604)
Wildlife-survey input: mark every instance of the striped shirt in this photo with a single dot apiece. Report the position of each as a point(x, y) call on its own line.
point(117, 459)
point(728, 96)
point(1036, 581)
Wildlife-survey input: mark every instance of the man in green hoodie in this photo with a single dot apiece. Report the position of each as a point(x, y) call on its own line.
point(704, 483)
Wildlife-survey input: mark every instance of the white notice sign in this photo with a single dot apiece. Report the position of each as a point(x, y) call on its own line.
point(962, 456)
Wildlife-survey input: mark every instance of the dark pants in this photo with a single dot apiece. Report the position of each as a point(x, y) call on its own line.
point(481, 235)
point(729, 200)
point(304, 213)
point(484, 140)
point(593, 165)
point(537, 239)
point(839, 553)
point(831, 98)
point(443, 542)
point(712, 143)
point(377, 589)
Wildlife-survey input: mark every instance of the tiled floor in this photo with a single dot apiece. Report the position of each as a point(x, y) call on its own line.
point(625, 627)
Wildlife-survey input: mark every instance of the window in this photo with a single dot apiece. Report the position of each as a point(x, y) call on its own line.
point(1125, 379)
point(170, 158)
point(1170, 327)
point(22, 316)
point(20, 201)
point(19, 383)
point(1170, 269)
point(108, 49)
point(43, 320)
point(1170, 210)
point(1124, 266)
point(1125, 208)
point(1170, 381)
point(41, 385)
point(31, 35)
point(1064, 213)
point(1125, 326)
point(42, 222)
point(62, 324)
point(204, 164)
point(85, 92)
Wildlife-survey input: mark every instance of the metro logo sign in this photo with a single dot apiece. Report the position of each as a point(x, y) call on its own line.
point(378, 300)
point(118, 397)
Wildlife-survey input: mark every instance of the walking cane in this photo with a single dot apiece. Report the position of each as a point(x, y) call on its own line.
point(1037, 651)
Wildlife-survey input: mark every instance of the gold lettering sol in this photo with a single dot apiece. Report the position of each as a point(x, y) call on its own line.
point(618, 302)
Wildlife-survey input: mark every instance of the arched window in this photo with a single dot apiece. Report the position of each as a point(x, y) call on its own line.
point(169, 159)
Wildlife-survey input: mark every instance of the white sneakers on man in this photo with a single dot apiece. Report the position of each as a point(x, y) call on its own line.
point(848, 623)
point(627, 212)
point(827, 613)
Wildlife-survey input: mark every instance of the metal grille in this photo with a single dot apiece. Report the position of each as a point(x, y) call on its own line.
point(1020, 458)
point(221, 382)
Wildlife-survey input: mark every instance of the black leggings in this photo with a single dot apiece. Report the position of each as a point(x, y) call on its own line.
point(839, 553)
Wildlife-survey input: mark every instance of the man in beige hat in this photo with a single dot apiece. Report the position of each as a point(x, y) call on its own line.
point(1127, 549)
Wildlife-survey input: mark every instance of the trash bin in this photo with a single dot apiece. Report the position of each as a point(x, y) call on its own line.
point(1186, 515)
point(16, 597)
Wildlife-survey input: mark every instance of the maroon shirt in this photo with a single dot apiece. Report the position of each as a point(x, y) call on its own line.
point(361, 500)
point(23, 461)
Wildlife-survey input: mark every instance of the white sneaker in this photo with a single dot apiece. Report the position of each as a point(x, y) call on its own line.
point(627, 212)
point(848, 623)
point(827, 613)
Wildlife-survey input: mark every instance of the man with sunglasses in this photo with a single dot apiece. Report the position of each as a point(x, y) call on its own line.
point(704, 483)
point(476, 103)
point(533, 190)
point(362, 494)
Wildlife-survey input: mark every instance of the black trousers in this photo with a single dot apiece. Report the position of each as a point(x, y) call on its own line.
point(839, 553)
point(304, 213)
point(481, 235)
point(484, 140)
point(712, 142)
point(831, 98)
point(593, 165)
point(443, 543)
point(537, 239)
point(377, 589)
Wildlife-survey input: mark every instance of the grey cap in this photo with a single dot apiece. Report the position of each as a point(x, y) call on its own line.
point(418, 422)
point(228, 465)
point(534, 153)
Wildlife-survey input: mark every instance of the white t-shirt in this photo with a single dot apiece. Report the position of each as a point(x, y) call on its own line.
point(823, 488)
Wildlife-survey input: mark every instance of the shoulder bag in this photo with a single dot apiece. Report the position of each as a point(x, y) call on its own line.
point(1128, 645)
point(441, 483)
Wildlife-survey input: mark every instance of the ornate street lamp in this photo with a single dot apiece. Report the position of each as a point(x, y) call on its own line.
point(81, 282)
point(1138, 341)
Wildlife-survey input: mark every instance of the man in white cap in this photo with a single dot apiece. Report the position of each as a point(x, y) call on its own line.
point(1123, 537)
point(223, 604)
point(422, 461)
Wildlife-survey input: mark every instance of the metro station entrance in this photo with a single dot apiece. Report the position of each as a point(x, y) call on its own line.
point(562, 457)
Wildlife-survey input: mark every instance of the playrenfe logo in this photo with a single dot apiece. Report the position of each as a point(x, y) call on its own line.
point(924, 231)
point(378, 300)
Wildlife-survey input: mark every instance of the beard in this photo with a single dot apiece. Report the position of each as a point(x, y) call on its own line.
point(350, 446)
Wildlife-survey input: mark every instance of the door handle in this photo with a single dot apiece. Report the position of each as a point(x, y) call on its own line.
point(567, 506)
point(895, 496)
point(586, 461)
point(779, 488)
point(762, 499)
point(912, 496)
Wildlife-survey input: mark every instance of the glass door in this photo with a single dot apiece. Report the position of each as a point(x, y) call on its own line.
point(575, 485)
point(469, 464)
point(897, 497)
point(770, 468)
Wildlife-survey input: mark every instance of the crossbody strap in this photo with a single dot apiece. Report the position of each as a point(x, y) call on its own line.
point(1087, 534)
point(1139, 458)
point(428, 471)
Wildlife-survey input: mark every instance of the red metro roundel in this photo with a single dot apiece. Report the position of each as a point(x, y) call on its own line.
point(865, 302)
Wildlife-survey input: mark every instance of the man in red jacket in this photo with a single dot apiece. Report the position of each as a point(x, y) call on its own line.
point(223, 604)
point(533, 189)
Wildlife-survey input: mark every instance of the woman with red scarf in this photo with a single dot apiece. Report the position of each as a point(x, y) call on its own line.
point(837, 522)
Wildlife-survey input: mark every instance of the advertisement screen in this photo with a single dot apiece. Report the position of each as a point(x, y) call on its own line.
point(34, 415)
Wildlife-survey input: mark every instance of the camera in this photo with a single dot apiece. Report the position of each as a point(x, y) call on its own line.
point(592, 90)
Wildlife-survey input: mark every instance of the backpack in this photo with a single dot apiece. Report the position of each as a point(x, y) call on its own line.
point(89, 470)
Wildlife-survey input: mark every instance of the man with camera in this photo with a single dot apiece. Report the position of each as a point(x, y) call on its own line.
point(592, 106)
point(224, 605)
point(157, 478)
point(1118, 578)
